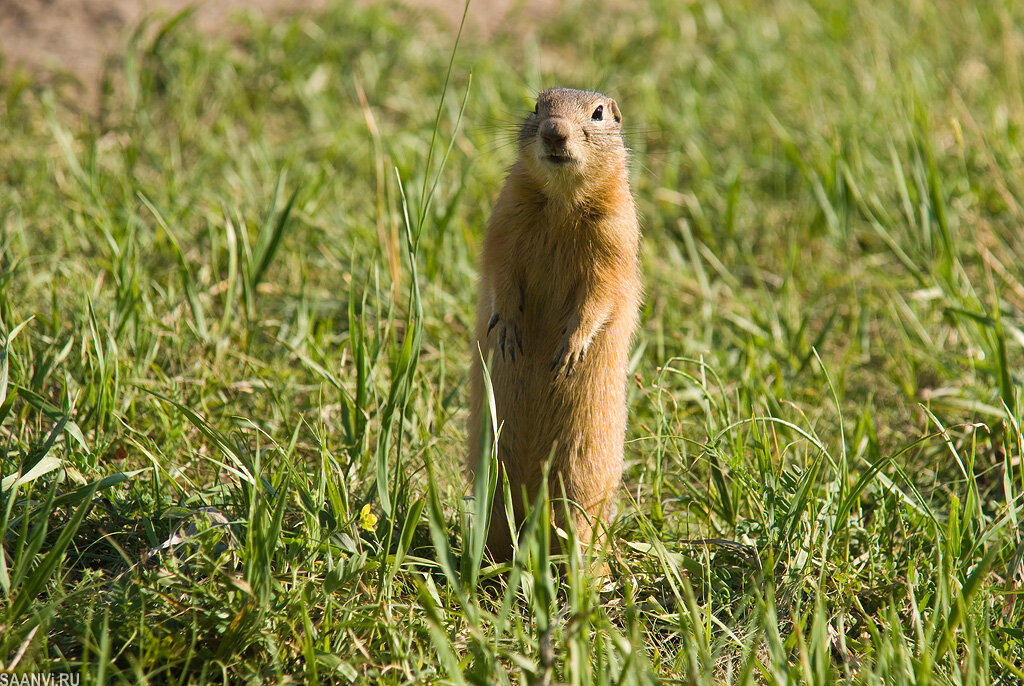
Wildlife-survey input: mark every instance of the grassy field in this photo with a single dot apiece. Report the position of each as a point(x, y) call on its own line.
point(235, 307)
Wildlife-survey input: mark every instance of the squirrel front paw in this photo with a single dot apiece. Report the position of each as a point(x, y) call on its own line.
point(509, 335)
point(570, 352)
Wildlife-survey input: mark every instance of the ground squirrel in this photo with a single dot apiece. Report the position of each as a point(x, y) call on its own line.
point(559, 294)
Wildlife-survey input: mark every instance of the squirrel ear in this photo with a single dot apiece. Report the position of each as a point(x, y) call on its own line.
point(615, 111)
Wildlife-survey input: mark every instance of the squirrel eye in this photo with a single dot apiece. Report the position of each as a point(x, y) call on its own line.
point(598, 113)
point(536, 108)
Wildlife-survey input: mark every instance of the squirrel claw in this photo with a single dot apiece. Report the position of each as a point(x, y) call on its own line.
point(503, 338)
point(510, 336)
point(565, 360)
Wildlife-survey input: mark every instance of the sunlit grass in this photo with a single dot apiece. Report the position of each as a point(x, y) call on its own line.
point(235, 307)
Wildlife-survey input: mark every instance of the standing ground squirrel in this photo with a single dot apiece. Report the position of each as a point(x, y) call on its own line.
point(559, 294)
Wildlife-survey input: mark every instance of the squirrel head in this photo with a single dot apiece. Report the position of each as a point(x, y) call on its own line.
point(573, 141)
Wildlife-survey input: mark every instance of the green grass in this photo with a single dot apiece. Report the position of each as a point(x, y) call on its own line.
point(235, 306)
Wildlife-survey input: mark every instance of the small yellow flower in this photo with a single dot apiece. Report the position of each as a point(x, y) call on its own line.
point(367, 520)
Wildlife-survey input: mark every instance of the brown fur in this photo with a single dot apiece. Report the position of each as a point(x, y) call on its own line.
point(559, 294)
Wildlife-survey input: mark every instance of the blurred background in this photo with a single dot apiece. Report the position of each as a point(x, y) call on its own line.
point(79, 38)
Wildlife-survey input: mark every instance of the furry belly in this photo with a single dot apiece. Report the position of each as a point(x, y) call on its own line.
point(578, 423)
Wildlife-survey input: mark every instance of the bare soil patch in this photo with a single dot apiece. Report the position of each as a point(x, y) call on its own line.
point(76, 38)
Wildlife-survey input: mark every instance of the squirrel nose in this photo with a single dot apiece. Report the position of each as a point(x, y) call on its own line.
point(554, 132)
